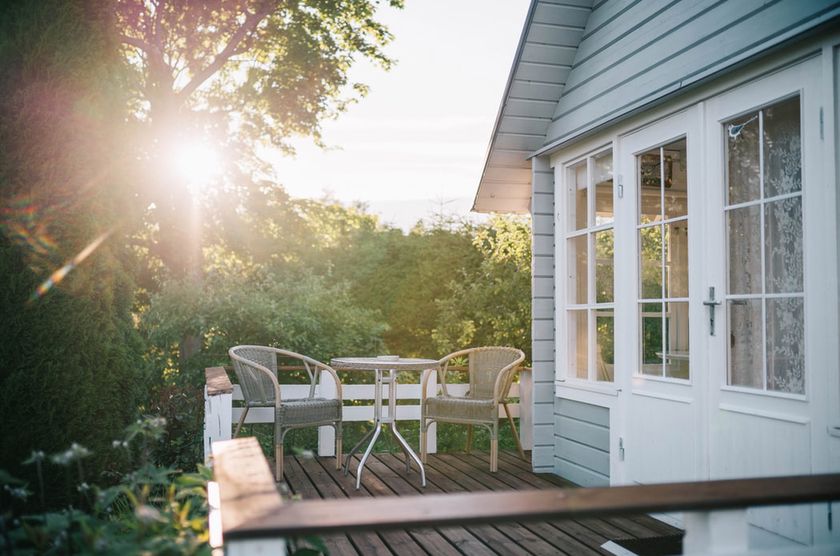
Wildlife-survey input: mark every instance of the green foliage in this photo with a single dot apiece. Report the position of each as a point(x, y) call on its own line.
point(72, 366)
point(489, 303)
point(152, 509)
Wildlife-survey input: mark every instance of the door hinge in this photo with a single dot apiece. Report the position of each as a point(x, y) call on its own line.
point(621, 449)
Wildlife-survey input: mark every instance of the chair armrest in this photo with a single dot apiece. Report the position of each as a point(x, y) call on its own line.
point(339, 393)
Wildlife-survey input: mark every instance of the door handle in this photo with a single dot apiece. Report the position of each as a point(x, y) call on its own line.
point(712, 304)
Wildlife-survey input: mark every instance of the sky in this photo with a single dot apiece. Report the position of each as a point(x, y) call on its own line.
point(416, 144)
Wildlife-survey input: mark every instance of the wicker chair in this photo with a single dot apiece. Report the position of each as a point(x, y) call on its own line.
point(257, 371)
point(491, 371)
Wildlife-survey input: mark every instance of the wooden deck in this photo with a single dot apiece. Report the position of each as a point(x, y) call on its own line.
point(313, 478)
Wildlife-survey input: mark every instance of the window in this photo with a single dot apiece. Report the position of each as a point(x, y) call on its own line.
point(765, 300)
point(663, 261)
point(590, 237)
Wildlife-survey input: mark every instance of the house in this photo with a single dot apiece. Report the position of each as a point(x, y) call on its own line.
point(680, 163)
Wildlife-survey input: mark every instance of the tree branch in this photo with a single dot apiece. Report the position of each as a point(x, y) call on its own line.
point(247, 27)
point(139, 44)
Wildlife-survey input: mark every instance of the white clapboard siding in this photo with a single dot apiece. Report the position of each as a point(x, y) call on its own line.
point(544, 58)
point(644, 53)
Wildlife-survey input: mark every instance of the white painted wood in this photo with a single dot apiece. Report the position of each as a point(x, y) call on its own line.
point(754, 433)
point(326, 435)
point(255, 547)
point(217, 420)
point(526, 417)
point(720, 532)
point(666, 65)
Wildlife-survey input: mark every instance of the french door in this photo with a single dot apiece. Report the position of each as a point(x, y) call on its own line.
point(726, 325)
point(770, 255)
point(661, 339)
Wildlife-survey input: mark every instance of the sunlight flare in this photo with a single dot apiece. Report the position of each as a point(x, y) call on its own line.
point(196, 163)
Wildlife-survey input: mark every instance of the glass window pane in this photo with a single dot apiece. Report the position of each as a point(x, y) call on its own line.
point(577, 269)
point(676, 179)
point(650, 254)
point(783, 245)
point(676, 339)
point(604, 265)
point(578, 182)
point(745, 342)
point(676, 257)
point(782, 148)
point(650, 191)
point(604, 344)
point(651, 340)
point(785, 345)
point(742, 160)
point(578, 345)
point(603, 180)
point(744, 234)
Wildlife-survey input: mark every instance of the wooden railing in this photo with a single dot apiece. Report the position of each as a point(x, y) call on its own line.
point(247, 513)
point(220, 413)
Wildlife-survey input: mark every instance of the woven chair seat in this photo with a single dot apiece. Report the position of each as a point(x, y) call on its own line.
point(306, 410)
point(460, 408)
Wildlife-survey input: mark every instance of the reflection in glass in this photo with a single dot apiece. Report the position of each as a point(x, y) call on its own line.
point(676, 339)
point(604, 344)
point(604, 266)
point(745, 342)
point(603, 180)
point(651, 338)
point(744, 235)
point(650, 192)
point(782, 148)
point(577, 256)
point(676, 257)
point(577, 196)
point(742, 158)
point(785, 345)
point(650, 254)
point(578, 345)
point(676, 179)
point(783, 245)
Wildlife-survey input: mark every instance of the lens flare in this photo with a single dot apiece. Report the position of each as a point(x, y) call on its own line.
point(196, 163)
point(59, 275)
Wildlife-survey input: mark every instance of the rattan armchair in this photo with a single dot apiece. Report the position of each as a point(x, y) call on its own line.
point(257, 371)
point(491, 371)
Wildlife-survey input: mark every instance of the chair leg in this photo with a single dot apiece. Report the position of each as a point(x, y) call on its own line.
point(494, 448)
point(241, 421)
point(469, 438)
point(278, 465)
point(515, 434)
point(338, 445)
point(423, 447)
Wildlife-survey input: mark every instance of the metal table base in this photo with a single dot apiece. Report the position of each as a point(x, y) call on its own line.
point(389, 422)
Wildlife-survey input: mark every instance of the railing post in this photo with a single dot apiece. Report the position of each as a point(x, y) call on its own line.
point(717, 532)
point(218, 409)
point(431, 434)
point(326, 435)
point(526, 409)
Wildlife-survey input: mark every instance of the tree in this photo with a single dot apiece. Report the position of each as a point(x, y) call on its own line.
point(489, 303)
point(240, 73)
point(72, 367)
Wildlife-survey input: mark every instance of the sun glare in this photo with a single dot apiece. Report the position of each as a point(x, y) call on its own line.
point(196, 163)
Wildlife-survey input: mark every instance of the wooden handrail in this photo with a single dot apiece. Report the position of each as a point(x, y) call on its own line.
point(245, 517)
point(217, 381)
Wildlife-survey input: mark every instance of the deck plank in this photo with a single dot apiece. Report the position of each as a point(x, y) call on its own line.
point(313, 478)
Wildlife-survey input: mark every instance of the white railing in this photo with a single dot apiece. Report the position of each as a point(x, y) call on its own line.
point(220, 413)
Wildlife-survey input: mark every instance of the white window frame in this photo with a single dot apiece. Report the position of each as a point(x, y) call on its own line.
point(591, 307)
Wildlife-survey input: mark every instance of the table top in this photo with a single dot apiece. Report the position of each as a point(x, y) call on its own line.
point(383, 363)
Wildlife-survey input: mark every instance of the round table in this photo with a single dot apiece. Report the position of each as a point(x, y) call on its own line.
point(385, 369)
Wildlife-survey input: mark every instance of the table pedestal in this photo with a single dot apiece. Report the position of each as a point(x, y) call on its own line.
point(390, 422)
